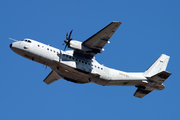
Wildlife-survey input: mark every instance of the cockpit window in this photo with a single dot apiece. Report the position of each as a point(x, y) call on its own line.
point(27, 41)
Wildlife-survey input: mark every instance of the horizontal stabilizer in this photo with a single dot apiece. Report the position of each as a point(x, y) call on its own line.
point(52, 77)
point(160, 77)
point(141, 92)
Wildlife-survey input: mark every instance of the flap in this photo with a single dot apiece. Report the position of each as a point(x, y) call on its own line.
point(53, 76)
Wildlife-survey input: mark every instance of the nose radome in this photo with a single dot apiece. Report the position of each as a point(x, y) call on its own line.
point(10, 45)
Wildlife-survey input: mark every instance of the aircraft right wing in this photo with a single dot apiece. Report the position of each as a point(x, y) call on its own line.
point(99, 40)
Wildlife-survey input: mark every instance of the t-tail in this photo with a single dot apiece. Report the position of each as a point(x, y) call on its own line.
point(156, 74)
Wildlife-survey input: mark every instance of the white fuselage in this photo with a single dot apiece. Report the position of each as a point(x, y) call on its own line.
point(75, 68)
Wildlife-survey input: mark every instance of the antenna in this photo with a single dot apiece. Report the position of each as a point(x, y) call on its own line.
point(13, 39)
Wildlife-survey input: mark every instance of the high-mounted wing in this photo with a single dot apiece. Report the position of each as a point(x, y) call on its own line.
point(96, 42)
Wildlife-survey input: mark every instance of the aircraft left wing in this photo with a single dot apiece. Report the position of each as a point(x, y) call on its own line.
point(52, 77)
point(98, 40)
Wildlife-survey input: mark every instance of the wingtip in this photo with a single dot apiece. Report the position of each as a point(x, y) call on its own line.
point(117, 22)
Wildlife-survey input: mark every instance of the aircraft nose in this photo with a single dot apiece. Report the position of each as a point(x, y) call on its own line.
point(10, 45)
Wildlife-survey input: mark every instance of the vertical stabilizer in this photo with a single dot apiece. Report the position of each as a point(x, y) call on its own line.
point(158, 66)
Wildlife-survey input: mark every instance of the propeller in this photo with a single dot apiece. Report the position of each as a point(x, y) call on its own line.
point(68, 39)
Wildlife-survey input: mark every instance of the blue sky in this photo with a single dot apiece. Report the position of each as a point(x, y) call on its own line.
point(148, 29)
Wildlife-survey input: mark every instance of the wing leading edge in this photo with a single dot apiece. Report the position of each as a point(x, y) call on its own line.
point(98, 40)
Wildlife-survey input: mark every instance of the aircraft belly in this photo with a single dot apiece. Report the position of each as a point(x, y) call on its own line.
point(99, 81)
point(71, 74)
point(124, 82)
point(105, 82)
point(39, 59)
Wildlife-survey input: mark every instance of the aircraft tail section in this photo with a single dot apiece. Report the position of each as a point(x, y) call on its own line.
point(156, 75)
point(158, 66)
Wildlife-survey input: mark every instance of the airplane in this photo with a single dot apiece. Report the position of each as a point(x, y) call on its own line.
point(79, 65)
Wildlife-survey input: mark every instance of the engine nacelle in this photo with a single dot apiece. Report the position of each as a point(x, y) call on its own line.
point(77, 45)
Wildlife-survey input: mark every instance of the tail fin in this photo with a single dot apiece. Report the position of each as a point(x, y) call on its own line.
point(158, 66)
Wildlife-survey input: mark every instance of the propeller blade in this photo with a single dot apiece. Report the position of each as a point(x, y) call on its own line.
point(70, 34)
point(65, 47)
point(67, 36)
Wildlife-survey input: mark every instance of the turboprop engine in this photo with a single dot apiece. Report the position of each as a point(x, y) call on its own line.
point(77, 45)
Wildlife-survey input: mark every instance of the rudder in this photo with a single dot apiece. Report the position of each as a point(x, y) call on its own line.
point(158, 66)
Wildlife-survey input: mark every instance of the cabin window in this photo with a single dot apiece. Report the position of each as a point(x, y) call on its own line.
point(98, 67)
point(38, 45)
point(79, 60)
point(85, 62)
point(82, 61)
point(73, 58)
point(101, 68)
point(47, 48)
point(70, 57)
